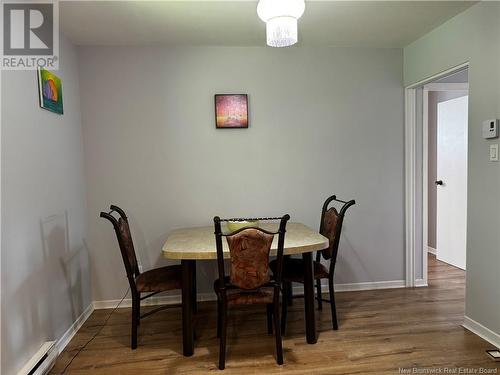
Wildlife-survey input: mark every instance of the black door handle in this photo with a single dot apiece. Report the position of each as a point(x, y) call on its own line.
point(438, 182)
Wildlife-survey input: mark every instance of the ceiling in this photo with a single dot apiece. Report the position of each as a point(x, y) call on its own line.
point(389, 24)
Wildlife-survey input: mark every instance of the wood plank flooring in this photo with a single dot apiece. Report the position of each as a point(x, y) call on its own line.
point(380, 332)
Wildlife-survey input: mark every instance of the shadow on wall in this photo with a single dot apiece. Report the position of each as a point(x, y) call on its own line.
point(348, 259)
point(60, 283)
point(53, 295)
point(62, 266)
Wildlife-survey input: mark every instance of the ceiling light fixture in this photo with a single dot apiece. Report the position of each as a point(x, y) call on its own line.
point(281, 18)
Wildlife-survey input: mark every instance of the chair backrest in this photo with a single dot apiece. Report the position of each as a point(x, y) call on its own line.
point(122, 230)
point(331, 225)
point(249, 253)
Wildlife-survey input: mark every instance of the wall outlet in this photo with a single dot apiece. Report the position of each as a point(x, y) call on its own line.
point(494, 152)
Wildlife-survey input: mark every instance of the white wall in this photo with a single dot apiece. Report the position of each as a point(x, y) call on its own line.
point(473, 36)
point(45, 277)
point(322, 121)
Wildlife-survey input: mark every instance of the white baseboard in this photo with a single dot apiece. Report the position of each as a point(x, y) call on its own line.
point(298, 289)
point(431, 250)
point(57, 347)
point(73, 329)
point(48, 351)
point(153, 301)
point(483, 332)
point(353, 287)
point(391, 284)
point(421, 282)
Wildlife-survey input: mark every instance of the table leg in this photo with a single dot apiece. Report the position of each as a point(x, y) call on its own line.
point(187, 307)
point(194, 293)
point(309, 299)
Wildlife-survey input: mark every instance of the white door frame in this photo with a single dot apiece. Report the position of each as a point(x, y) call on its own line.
point(413, 204)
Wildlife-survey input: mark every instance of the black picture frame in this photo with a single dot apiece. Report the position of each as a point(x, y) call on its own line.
point(239, 118)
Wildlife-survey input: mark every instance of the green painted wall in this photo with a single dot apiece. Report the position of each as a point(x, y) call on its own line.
point(473, 36)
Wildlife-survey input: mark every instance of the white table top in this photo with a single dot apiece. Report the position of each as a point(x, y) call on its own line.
point(199, 243)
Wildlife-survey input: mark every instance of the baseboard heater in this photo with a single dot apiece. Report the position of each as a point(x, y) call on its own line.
point(42, 362)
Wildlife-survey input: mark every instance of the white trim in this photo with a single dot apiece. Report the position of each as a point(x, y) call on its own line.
point(176, 298)
point(421, 282)
point(73, 329)
point(437, 76)
point(431, 250)
point(410, 181)
point(370, 285)
point(425, 181)
point(153, 301)
point(447, 86)
point(480, 330)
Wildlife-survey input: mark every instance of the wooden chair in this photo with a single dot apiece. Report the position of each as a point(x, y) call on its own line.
point(293, 269)
point(152, 282)
point(249, 281)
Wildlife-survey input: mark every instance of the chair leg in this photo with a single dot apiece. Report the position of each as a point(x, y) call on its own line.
point(279, 343)
point(289, 293)
point(135, 301)
point(318, 292)
point(138, 308)
point(219, 312)
point(284, 308)
point(222, 348)
point(269, 308)
point(332, 304)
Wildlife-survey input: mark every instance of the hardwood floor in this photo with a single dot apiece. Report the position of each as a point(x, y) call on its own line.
point(380, 332)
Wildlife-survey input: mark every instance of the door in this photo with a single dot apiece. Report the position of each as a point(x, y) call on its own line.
point(451, 205)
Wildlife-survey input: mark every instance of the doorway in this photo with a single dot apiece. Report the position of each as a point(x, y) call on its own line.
point(445, 116)
point(429, 216)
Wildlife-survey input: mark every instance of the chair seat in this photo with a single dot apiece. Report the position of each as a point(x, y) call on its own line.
point(237, 296)
point(293, 270)
point(160, 279)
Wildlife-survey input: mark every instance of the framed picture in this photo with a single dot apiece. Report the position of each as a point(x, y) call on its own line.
point(231, 111)
point(50, 91)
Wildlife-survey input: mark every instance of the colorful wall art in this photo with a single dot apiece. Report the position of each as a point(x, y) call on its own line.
point(50, 91)
point(231, 111)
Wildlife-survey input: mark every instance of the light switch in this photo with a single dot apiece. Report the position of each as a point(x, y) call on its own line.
point(494, 152)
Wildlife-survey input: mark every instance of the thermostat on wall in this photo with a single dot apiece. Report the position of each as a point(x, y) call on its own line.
point(490, 129)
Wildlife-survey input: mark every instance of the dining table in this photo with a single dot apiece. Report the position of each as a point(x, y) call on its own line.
point(190, 245)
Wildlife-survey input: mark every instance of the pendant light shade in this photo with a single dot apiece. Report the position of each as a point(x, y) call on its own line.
point(281, 18)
